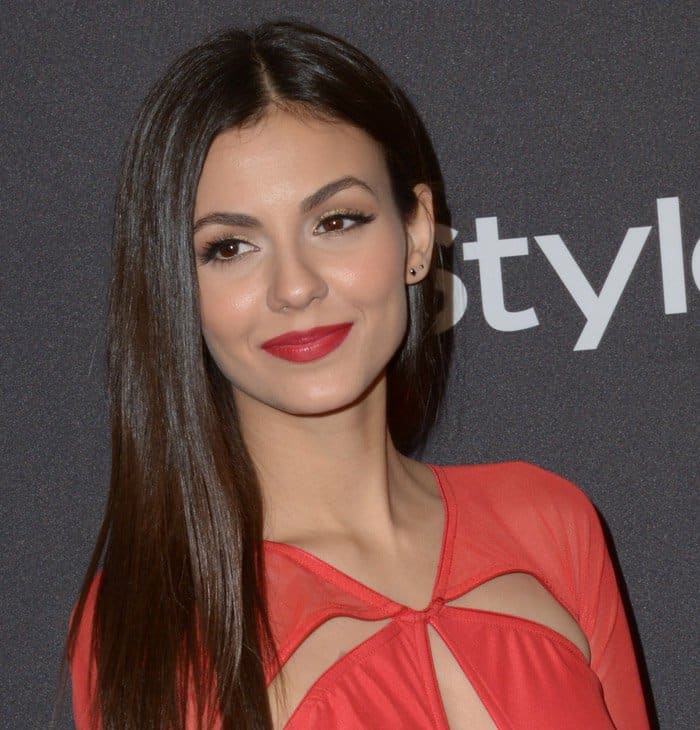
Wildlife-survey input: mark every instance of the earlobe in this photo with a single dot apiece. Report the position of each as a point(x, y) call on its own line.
point(420, 236)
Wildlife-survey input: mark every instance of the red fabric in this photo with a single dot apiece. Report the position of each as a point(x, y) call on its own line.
point(82, 666)
point(500, 518)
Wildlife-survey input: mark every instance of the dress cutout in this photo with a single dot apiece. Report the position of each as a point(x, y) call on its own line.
point(499, 519)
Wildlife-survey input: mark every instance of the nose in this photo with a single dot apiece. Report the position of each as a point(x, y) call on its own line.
point(295, 281)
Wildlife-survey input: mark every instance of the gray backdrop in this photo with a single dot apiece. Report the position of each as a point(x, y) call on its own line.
point(555, 118)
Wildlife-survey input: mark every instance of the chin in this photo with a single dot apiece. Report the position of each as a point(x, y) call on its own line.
point(320, 397)
point(326, 401)
point(320, 402)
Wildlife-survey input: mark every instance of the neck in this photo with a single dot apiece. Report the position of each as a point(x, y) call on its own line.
point(327, 475)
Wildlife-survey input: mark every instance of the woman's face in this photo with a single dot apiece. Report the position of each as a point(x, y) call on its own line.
point(296, 229)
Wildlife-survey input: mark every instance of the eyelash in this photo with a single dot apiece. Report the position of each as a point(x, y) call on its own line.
point(212, 249)
point(356, 216)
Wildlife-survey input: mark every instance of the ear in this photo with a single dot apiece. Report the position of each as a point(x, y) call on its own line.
point(420, 236)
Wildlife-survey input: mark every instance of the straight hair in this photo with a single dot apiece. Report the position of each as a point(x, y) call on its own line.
point(180, 624)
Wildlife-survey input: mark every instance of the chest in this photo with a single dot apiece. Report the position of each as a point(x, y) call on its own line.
point(470, 640)
point(475, 662)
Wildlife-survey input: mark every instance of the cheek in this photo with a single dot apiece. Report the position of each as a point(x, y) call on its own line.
point(226, 312)
point(376, 285)
point(377, 276)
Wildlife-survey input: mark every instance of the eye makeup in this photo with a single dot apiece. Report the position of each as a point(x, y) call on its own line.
point(226, 248)
point(355, 217)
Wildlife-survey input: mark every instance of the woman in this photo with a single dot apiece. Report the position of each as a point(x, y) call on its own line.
point(269, 556)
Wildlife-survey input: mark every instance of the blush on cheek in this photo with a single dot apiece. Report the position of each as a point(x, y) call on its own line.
point(379, 277)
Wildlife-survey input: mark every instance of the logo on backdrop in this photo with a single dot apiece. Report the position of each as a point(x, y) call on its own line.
point(488, 249)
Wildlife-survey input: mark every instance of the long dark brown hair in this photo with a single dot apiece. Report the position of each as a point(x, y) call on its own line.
point(180, 602)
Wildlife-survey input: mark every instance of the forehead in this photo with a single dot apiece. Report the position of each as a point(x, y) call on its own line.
point(283, 158)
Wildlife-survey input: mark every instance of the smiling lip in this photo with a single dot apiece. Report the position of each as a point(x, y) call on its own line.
point(309, 344)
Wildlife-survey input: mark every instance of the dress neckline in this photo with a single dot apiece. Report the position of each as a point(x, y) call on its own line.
point(371, 596)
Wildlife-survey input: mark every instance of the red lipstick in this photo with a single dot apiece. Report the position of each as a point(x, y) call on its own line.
point(308, 345)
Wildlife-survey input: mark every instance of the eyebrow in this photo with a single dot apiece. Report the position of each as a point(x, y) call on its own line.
point(329, 190)
point(228, 219)
point(308, 204)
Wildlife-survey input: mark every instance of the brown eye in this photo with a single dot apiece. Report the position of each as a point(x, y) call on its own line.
point(340, 222)
point(228, 249)
point(334, 223)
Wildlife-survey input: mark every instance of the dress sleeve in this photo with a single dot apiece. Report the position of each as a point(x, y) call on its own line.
point(83, 669)
point(603, 621)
